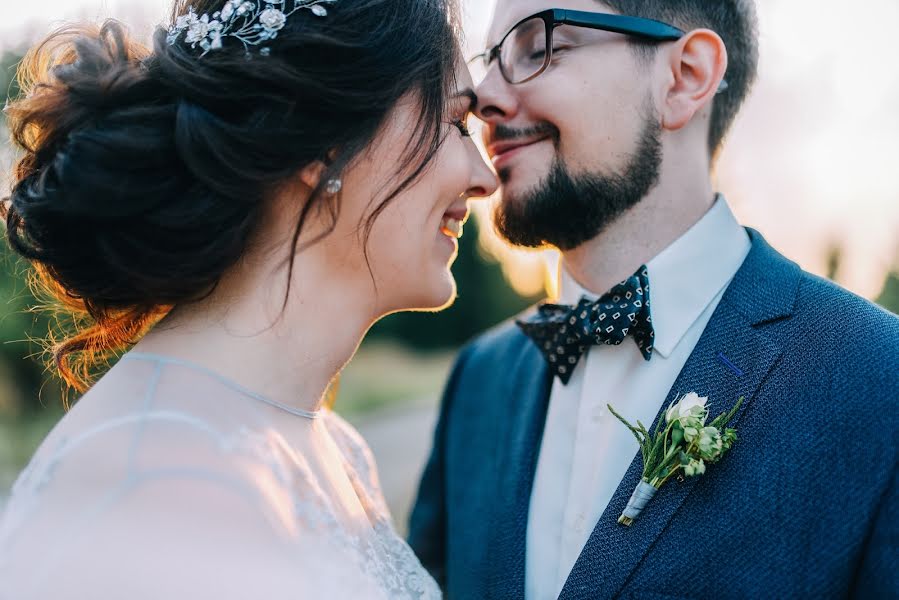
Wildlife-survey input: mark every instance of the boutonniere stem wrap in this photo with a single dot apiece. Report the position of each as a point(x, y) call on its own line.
point(681, 443)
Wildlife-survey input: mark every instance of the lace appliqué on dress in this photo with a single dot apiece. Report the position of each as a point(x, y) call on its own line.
point(389, 559)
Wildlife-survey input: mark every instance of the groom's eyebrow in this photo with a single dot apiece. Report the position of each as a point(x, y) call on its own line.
point(469, 93)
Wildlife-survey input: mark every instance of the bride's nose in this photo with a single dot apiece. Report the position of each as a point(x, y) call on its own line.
point(483, 181)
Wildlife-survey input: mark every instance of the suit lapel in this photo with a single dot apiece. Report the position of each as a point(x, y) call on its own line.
point(528, 398)
point(731, 359)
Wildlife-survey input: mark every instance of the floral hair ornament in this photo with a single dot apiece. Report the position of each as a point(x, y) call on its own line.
point(253, 22)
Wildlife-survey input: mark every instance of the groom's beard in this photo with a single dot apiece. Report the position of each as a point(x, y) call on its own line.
point(566, 210)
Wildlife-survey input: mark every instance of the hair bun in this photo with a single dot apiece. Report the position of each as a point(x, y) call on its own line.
point(99, 162)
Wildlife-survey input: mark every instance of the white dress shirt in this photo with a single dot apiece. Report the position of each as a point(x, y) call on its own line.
point(585, 451)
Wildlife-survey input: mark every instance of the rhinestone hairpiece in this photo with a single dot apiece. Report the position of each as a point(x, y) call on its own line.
point(253, 22)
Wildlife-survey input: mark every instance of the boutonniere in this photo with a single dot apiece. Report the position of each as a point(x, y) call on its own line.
point(681, 442)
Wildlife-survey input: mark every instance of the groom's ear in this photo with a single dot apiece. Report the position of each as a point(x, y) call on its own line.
point(696, 64)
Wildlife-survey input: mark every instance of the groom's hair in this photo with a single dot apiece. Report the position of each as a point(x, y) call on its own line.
point(734, 20)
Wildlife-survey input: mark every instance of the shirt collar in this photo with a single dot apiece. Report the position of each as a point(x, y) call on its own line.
point(685, 277)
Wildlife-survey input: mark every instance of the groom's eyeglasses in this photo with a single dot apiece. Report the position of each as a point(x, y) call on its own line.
point(526, 50)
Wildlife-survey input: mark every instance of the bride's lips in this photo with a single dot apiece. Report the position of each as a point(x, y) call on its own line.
point(452, 222)
point(502, 152)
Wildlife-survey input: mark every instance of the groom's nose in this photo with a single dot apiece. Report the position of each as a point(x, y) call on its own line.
point(497, 101)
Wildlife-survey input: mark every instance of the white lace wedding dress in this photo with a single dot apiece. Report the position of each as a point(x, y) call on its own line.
point(170, 481)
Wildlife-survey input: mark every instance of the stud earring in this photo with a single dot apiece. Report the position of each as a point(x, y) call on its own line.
point(333, 187)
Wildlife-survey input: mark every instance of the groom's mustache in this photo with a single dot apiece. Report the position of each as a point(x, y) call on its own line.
point(504, 133)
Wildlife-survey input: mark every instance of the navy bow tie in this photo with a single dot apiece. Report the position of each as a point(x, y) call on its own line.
point(564, 333)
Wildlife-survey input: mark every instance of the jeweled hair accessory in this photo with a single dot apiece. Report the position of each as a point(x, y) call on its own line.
point(253, 22)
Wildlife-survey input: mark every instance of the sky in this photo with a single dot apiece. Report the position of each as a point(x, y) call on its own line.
point(812, 161)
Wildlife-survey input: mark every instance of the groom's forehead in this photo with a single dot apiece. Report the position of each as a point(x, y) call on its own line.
point(509, 12)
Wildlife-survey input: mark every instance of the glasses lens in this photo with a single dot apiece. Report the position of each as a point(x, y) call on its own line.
point(523, 52)
point(477, 65)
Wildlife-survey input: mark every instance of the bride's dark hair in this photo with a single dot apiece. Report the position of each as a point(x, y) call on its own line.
point(145, 172)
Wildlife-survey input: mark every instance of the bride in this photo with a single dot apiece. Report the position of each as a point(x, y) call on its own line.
point(230, 212)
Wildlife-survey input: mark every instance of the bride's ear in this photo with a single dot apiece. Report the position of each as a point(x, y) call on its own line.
point(311, 174)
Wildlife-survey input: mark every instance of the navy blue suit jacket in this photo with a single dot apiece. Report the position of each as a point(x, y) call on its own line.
point(805, 505)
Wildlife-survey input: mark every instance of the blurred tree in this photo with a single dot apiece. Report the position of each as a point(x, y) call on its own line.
point(23, 390)
point(889, 296)
point(9, 85)
point(485, 299)
point(834, 261)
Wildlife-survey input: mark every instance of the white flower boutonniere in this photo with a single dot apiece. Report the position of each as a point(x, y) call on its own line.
point(681, 442)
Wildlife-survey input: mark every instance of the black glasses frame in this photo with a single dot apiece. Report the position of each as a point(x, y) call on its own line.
point(646, 29)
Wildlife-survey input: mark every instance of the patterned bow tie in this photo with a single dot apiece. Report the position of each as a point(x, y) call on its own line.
point(564, 333)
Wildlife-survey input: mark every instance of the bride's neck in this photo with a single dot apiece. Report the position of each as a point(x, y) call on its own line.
point(241, 332)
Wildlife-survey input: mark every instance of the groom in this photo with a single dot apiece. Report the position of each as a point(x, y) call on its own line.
point(603, 131)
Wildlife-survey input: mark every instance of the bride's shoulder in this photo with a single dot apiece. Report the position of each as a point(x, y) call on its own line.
point(345, 434)
point(354, 448)
point(140, 467)
point(199, 515)
point(209, 536)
